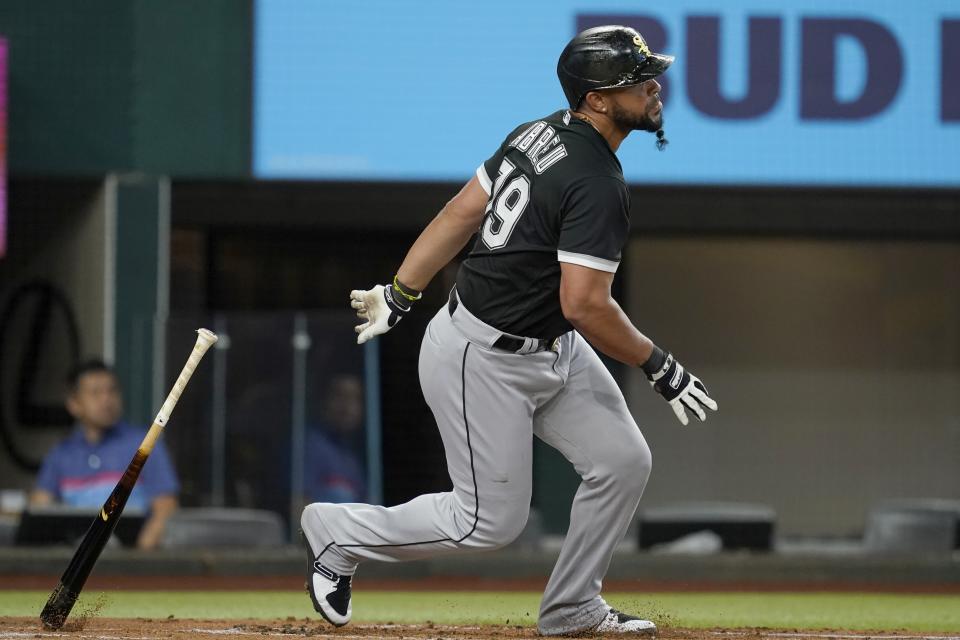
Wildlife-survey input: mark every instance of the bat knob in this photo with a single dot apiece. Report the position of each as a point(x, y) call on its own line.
point(206, 337)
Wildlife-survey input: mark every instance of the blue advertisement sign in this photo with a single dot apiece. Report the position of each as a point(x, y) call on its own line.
point(798, 92)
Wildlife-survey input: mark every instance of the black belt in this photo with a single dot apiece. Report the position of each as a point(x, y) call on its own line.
point(504, 342)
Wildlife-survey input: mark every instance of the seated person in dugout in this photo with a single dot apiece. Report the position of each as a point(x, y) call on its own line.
point(335, 444)
point(83, 469)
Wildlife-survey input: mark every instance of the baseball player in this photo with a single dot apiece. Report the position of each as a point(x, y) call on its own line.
point(508, 357)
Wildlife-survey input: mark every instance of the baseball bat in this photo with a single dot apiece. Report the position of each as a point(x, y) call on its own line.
point(65, 595)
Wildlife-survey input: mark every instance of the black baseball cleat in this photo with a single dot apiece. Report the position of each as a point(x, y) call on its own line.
point(329, 591)
point(617, 622)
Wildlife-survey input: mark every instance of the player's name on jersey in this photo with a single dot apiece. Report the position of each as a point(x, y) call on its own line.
point(541, 144)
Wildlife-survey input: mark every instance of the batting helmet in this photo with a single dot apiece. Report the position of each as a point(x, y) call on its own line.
point(606, 58)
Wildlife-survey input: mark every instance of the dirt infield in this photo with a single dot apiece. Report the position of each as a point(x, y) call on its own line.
point(93, 628)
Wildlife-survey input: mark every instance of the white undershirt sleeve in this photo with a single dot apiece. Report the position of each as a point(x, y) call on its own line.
point(484, 179)
point(584, 260)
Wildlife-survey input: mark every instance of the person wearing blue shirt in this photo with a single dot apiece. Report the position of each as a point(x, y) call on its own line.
point(335, 445)
point(83, 469)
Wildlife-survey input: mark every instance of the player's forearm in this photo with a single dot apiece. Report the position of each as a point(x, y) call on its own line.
point(607, 327)
point(438, 244)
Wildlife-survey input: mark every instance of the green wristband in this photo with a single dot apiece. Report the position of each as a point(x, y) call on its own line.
point(404, 291)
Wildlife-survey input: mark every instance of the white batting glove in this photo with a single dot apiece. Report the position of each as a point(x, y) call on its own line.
point(380, 308)
point(680, 388)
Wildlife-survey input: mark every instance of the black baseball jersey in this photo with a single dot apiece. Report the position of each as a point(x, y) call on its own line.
point(557, 194)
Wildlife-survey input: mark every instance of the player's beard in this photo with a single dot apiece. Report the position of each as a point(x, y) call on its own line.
point(631, 122)
point(644, 122)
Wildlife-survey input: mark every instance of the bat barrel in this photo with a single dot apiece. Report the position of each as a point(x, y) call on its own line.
point(58, 607)
point(65, 595)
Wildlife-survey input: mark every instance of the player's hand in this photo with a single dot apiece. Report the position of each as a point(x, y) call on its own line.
point(680, 388)
point(380, 309)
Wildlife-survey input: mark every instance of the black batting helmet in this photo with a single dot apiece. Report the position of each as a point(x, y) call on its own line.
point(606, 58)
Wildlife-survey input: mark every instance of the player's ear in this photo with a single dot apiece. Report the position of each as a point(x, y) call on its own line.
point(596, 101)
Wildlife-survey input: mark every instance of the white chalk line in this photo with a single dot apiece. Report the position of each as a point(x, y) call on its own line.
point(831, 636)
point(234, 631)
point(68, 634)
point(220, 632)
point(838, 636)
point(338, 636)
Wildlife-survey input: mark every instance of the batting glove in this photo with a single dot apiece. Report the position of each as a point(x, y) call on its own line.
point(381, 309)
point(680, 388)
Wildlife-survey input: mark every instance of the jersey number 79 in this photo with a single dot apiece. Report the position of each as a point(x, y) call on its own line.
point(505, 206)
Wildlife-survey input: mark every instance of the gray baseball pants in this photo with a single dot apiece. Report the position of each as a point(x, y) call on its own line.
point(487, 404)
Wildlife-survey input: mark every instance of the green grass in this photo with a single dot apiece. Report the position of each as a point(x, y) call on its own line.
point(855, 611)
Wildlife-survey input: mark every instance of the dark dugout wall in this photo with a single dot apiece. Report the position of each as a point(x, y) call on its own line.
point(121, 85)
